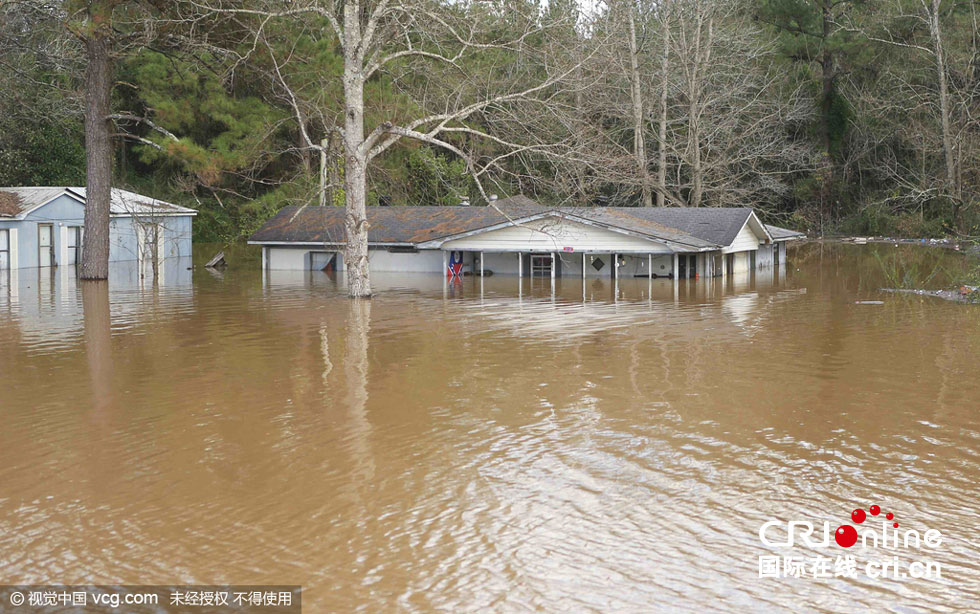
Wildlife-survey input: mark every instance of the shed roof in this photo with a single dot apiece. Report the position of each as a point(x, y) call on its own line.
point(21, 200)
point(17, 201)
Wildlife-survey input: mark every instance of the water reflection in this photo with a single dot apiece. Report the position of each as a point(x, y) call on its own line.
point(504, 447)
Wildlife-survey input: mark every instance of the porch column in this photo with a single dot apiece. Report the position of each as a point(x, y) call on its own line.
point(481, 265)
point(616, 266)
point(520, 265)
point(445, 264)
point(583, 268)
point(265, 258)
point(677, 274)
point(552, 265)
point(650, 266)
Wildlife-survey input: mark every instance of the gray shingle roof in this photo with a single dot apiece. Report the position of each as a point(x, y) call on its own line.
point(314, 224)
point(782, 234)
point(709, 226)
point(698, 228)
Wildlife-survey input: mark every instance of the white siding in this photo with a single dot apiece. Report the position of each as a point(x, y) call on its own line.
point(423, 261)
point(380, 260)
point(500, 264)
point(744, 240)
point(743, 260)
point(553, 235)
point(288, 258)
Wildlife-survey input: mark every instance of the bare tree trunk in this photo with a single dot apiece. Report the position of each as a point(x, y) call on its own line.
point(827, 77)
point(662, 127)
point(98, 158)
point(702, 54)
point(944, 105)
point(636, 93)
point(355, 169)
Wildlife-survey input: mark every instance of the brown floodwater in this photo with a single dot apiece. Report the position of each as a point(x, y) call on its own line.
point(496, 446)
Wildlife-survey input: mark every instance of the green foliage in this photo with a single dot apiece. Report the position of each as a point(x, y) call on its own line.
point(220, 130)
point(40, 153)
point(434, 178)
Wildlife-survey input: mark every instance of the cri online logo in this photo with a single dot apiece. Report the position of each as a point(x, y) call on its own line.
point(846, 535)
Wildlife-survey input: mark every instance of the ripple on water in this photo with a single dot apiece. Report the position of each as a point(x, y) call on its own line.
point(505, 451)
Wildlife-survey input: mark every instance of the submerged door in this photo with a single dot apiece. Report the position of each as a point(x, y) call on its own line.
point(45, 245)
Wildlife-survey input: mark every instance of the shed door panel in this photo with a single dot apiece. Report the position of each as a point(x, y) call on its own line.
point(44, 244)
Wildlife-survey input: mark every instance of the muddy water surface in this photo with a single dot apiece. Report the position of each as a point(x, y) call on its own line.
point(491, 447)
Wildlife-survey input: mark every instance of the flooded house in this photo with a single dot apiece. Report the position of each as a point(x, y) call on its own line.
point(517, 236)
point(45, 226)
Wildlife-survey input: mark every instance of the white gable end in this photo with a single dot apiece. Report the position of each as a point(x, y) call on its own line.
point(552, 234)
point(745, 240)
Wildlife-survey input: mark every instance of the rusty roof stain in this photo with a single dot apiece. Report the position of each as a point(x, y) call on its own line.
point(10, 204)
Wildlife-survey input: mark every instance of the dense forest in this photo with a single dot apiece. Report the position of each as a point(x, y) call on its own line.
point(832, 116)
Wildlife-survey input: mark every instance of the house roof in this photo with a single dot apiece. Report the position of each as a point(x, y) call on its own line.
point(714, 224)
point(699, 228)
point(18, 201)
point(709, 227)
point(314, 224)
point(784, 234)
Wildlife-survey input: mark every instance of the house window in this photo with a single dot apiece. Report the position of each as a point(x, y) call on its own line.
point(4, 249)
point(541, 266)
point(74, 244)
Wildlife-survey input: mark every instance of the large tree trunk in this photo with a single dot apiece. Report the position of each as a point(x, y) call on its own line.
point(98, 158)
point(355, 168)
point(636, 93)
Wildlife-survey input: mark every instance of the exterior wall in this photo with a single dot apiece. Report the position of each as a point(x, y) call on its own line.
point(763, 258)
point(500, 264)
point(62, 211)
point(553, 235)
point(746, 239)
point(65, 212)
point(279, 258)
point(379, 260)
point(288, 258)
point(125, 242)
point(743, 262)
point(423, 261)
